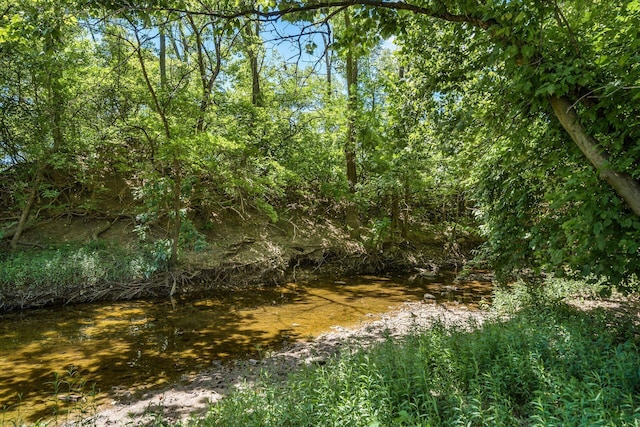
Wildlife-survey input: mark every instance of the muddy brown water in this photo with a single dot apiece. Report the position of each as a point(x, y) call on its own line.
point(70, 359)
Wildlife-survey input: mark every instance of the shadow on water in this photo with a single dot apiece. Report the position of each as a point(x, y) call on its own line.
point(140, 345)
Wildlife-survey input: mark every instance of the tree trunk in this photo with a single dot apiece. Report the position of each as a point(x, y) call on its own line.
point(327, 58)
point(395, 213)
point(407, 207)
point(350, 144)
point(177, 188)
point(156, 101)
point(626, 187)
point(163, 58)
point(27, 210)
point(208, 72)
point(53, 82)
point(253, 36)
point(177, 207)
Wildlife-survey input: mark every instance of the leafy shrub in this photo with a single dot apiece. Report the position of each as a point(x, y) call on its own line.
point(379, 233)
point(511, 298)
point(267, 209)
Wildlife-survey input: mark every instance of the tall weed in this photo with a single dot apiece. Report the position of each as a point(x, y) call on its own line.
point(60, 271)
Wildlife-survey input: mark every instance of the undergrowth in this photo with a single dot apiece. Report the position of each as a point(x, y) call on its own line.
point(62, 271)
point(547, 364)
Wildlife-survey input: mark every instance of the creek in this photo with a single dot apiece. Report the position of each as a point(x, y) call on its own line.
point(56, 360)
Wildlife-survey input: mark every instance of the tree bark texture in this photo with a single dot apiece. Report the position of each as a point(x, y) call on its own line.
point(163, 58)
point(626, 187)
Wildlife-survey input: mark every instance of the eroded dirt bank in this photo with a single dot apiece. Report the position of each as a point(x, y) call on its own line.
point(240, 252)
point(193, 394)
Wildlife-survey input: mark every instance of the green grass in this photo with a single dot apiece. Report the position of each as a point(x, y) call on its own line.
point(548, 364)
point(56, 273)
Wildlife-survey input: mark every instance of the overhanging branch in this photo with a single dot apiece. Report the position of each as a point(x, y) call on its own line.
point(330, 4)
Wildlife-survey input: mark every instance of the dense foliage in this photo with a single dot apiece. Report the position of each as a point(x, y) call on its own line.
point(524, 113)
point(548, 364)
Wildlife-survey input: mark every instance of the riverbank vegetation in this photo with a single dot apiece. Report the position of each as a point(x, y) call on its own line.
point(159, 126)
point(76, 273)
point(539, 359)
point(154, 148)
point(554, 354)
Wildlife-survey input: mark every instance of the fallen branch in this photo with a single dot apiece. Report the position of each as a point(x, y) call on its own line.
point(35, 245)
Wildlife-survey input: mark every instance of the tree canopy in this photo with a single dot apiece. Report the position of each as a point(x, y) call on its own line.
point(519, 117)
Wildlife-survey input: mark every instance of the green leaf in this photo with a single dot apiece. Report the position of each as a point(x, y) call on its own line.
point(597, 228)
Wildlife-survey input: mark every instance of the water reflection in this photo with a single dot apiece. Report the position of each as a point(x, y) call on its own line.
point(137, 345)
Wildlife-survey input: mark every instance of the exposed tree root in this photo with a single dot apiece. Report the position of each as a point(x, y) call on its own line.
point(158, 286)
point(242, 260)
point(96, 233)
